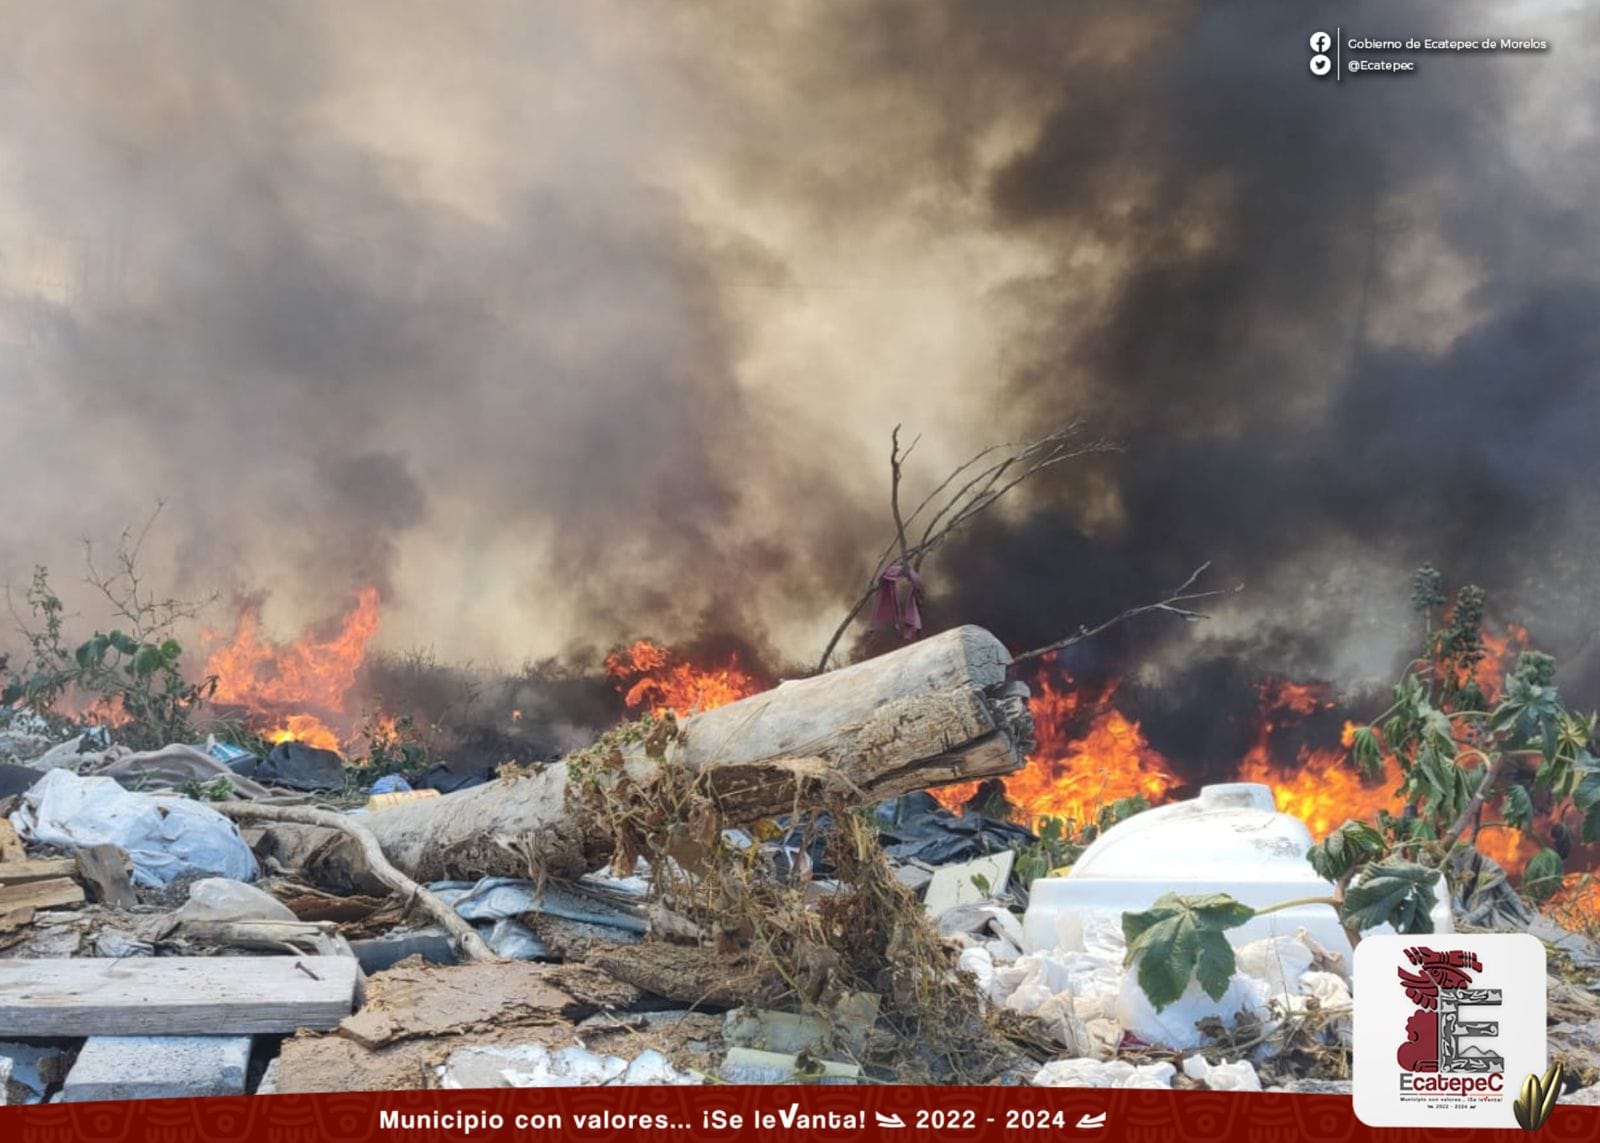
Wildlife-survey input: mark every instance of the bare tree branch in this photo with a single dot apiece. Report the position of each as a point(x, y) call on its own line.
point(950, 505)
point(1174, 604)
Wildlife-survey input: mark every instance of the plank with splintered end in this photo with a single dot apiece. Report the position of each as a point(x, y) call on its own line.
point(174, 996)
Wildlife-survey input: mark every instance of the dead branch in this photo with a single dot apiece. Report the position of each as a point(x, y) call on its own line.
point(124, 588)
point(466, 937)
point(1174, 603)
point(950, 505)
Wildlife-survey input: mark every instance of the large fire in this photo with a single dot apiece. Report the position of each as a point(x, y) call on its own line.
point(1091, 753)
point(1077, 768)
point(302, 689)
point(654, 679)
point(1318, 785)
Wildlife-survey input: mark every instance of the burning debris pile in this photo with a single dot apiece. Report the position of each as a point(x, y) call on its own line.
point(737, 881)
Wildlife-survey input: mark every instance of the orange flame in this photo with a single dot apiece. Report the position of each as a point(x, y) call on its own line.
point(103, 710)
point(1500, 656)
point(1576, 905)
point(1073, 770)
point(301, 688)
point(1072, 775)
point(657, 680)
point(1319, 787)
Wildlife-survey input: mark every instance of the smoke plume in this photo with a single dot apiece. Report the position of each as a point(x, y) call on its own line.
point(567, 322)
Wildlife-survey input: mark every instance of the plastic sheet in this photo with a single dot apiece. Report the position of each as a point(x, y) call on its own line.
point(164, 837)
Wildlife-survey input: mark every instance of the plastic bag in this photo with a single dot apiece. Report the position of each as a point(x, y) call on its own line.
point(165, 837)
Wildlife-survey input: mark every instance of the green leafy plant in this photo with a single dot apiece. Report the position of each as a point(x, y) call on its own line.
point(1466, 763)
point(394, 746)
point(1061, 841)
point(216, 790)
point(132, 671)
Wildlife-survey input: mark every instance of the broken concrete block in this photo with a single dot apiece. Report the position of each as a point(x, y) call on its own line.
point(31, 1071)
point(968, 883)
point(157, 1067)
point(747, 1065)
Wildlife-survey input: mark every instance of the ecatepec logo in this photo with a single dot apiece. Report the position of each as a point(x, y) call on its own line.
point(1437, 1037)
point(1446, 1027)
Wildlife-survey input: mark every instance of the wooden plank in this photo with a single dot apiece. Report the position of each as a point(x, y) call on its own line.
point(19, 872)
point(104, 871)
point(175, 996)
point(50, 894)
point(10, 844)
point(13, 919)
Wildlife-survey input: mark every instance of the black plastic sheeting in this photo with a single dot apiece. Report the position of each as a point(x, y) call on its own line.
point(914, 827)
point(917, 828)
point(301, 767)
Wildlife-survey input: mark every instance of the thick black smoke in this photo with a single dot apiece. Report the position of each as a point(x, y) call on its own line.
point(1351, 331)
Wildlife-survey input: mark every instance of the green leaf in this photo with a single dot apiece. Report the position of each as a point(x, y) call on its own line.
point(1587, 794)
point(1367, 751)
point(1517, 808)
point(92, 653)
point(1350, 846)
point(1542, 876)
point(146, 660)
point(1179, 939)
point(1591, 826)
point(1214, 963)
point(1397, 892)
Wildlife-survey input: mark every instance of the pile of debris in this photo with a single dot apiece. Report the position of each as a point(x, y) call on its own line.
point(757, 894)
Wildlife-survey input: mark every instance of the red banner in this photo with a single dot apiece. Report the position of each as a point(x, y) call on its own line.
point(772, 1114)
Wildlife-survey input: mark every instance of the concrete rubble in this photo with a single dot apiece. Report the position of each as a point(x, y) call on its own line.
point(597, 981)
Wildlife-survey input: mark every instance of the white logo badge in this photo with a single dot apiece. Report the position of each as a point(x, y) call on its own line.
point(1447, 1026)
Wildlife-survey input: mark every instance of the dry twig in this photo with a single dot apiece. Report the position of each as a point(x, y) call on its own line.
point(966, 492)
point(1174, 603)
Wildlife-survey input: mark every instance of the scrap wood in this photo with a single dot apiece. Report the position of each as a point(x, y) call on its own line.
point(334, 1063)
point(45, 869)
point(51, 894)
point(416, 1000)
point(466, 937)
point(15, 918)
point(174, 996)
point(10, 844)
point(294, 937)
point(357, 916)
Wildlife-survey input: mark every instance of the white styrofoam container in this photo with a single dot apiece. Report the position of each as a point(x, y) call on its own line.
point(1230, 839)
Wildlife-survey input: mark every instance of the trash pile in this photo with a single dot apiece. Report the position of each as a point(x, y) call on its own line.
point(201, 921)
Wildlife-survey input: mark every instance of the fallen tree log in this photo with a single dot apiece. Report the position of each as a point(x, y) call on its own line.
point(932, 713)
